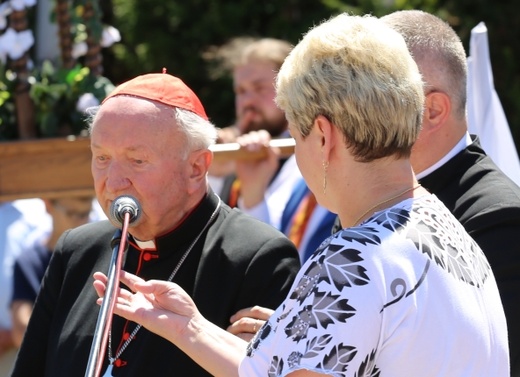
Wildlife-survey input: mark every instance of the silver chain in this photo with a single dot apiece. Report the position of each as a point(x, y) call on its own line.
point(170, 278)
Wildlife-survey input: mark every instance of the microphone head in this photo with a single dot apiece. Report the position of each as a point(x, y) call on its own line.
point(122, 205)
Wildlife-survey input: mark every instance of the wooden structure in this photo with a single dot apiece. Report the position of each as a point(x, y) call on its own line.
point(49, 168)
point(45, 168)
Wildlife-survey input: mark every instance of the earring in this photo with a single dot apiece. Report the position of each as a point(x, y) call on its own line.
point(325, 167)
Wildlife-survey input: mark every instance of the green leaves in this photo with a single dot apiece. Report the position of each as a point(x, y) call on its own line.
point(55, 93)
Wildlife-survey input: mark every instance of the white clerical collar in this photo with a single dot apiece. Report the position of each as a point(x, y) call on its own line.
point(145, 245)
point(460, 146)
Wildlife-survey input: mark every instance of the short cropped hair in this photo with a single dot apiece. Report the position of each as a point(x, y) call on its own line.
point(200, 133)
point(358, 73)
point(433, 41)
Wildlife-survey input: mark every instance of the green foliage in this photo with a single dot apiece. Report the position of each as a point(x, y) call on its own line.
point(174, 34)
point(7, 108)
point(93, 23)
point(55, 93)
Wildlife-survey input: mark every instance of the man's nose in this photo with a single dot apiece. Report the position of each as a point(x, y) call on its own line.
point(246, 99)
point(117, 179)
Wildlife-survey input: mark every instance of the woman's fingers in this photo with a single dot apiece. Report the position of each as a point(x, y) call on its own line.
point(246, 322)
point(257, 312)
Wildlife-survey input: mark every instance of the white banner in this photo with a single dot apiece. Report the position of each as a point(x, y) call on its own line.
point(486, 116)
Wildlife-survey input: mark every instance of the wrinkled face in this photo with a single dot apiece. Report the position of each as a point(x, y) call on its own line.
point(254, 99)
point(137, 151)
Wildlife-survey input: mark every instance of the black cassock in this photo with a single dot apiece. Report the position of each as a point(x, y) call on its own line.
point(237, 263)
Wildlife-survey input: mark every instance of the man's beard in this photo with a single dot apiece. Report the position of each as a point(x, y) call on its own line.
point(275, 128)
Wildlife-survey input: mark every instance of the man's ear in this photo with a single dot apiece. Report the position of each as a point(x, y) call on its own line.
point(437, 109)
point(199, 163)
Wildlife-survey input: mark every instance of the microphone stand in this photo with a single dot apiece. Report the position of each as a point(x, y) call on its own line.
point(104, 321)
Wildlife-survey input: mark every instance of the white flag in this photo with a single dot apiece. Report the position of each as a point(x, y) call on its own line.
point(486, 116)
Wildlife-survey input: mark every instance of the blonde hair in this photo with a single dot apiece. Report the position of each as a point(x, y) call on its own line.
point(358, 73)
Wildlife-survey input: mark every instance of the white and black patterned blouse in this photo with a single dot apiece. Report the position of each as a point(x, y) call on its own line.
point(406, 293)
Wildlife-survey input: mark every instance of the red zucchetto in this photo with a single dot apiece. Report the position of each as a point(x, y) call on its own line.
point(163, 88)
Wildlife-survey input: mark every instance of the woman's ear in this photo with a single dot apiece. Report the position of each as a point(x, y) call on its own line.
point(325, 134)
point(437, 109)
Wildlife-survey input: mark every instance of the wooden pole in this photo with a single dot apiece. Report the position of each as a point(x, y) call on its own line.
point(59, 167)
point(64, 33)
point(92, 19)
point(25, 116)
point(233, 151)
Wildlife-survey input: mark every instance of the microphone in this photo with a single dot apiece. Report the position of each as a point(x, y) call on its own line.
point(122, 205)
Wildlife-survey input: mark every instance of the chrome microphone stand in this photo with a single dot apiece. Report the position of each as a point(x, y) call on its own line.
point(97, 351)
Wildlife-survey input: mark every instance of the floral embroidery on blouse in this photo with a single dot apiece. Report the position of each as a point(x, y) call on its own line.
point(321, 297)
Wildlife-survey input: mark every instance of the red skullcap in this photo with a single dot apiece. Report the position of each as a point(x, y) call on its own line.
point(163, 88)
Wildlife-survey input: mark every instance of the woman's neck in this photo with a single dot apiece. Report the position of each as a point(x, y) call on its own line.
point(387, 182)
